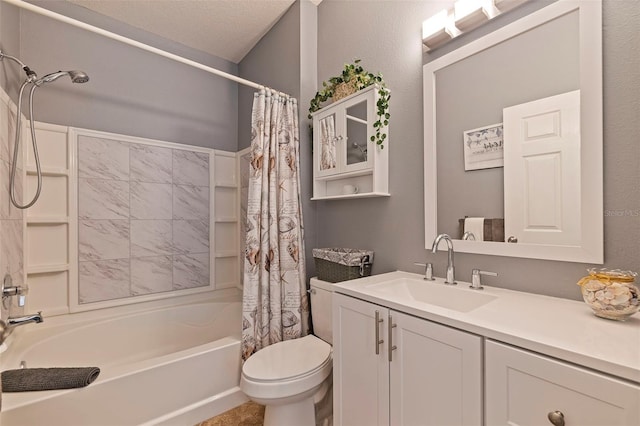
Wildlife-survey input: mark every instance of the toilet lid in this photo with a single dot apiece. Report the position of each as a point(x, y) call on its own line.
point(288, 359)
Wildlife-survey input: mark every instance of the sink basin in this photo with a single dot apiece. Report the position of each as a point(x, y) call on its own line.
point(433, 293)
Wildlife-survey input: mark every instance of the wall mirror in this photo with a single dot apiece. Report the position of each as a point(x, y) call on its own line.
point(513, 138)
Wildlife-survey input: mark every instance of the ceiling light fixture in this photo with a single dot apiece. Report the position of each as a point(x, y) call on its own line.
point(465, 16)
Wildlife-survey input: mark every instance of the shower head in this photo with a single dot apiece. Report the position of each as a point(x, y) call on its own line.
point(76, 77)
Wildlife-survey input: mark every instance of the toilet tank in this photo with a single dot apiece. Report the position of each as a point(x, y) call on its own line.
point(321, 312)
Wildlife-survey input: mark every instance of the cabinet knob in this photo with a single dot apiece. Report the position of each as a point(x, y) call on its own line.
point(512, 239)
point(556, 418)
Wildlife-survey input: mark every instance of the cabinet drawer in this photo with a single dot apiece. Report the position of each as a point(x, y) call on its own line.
point(522, 388)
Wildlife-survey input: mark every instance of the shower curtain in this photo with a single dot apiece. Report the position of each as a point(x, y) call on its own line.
point(275, 304)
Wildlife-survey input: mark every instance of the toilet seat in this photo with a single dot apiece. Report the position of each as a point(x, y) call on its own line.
point(289, 359)
point(287, 368)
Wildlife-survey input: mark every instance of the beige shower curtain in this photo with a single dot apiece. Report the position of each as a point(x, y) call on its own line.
point(275, 304)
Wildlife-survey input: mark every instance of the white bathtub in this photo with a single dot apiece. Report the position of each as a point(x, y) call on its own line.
point(172, 366)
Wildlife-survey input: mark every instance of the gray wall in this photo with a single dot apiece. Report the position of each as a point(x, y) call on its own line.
point(10, 73)
point(131, 91)
point(539, 63)
point(285, 60)
point(386, 36)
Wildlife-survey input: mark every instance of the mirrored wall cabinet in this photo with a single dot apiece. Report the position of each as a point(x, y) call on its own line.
point(346, 163)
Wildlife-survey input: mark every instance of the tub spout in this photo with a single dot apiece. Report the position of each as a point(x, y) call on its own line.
point(27, 319)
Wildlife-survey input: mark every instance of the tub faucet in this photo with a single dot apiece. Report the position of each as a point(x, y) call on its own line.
point(27, 319)
point(451, 278)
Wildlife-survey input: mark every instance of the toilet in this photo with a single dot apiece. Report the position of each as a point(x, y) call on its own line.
point(290, 376)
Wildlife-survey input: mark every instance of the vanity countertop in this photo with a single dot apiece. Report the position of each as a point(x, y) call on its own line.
point(561, 328)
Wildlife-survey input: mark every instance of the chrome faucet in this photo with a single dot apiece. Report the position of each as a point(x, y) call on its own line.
point(451, 278)
point(468, 236)
point(476, 282)
point(27, 319)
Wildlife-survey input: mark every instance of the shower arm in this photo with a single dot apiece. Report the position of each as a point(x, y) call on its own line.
point(31, 75)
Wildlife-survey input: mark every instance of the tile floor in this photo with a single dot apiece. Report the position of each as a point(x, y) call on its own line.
point(247, 414)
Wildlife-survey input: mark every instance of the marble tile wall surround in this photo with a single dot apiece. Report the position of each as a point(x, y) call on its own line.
point(11, 218)
point(143, 219)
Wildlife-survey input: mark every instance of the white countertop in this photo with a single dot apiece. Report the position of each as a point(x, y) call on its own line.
point(561, 328)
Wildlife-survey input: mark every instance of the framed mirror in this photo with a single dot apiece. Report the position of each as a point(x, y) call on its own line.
point(513, 138)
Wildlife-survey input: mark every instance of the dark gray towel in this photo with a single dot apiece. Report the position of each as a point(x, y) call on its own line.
point(38, 379)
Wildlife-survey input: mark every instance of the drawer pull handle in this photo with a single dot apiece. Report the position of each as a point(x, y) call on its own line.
point(556, 418)
point(378, 340)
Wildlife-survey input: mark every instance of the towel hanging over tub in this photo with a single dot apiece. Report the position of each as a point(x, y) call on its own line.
point(38, 379)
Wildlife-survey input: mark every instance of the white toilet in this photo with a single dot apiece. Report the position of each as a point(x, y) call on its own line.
point(287, 376)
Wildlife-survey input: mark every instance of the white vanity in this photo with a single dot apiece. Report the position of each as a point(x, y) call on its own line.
point(415, 352)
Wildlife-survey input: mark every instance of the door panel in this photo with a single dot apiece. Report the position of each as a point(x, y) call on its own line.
point(542, 170)
point(436, 374)
point(522, 388)
point(360, 376)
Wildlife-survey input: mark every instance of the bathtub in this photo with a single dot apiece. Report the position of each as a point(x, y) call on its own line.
point(175, 365)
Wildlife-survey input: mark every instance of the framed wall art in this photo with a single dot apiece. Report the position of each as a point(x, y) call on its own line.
point(483, 147)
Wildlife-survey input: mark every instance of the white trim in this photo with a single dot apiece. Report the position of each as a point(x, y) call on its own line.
point(73, 291)
point(241, 237)
point(592, 247)
point(212, 223)
point(136, 139)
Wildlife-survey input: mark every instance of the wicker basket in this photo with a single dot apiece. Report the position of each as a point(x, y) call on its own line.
point(341, 264)
point(343, 90)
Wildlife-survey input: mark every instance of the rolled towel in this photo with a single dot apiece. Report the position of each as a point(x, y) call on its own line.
point(39, 379)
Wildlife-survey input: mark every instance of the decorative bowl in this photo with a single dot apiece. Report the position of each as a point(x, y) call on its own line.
point(611, 293)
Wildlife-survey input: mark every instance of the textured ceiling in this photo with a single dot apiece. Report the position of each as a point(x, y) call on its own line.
point(225, 28)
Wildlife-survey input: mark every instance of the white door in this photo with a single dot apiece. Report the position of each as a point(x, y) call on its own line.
point(527, 389)
point(542, 170)
point(360, 375)
point(435, 374)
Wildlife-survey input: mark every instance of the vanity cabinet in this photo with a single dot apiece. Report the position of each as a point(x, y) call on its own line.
point(524, 388)
point(395, 369)
point(346, 163)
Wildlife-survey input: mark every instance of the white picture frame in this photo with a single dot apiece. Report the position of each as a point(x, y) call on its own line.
point(483, 147)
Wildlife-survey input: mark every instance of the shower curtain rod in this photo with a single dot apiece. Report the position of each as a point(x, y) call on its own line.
point(45, 12)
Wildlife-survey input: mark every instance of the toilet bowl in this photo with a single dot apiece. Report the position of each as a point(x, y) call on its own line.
point(287, 376)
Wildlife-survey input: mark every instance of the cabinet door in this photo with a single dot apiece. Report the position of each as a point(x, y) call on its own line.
point(355, 143)
point(522, 388)
point(326, 143)
point(360, 376)
point(435, 374)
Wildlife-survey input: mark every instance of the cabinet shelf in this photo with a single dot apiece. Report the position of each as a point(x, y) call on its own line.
point(358, 195)
point(54, 220)
point(231, 185)
point(345, 175)
point(48, 171)
point(226, 253)
point(228, 219)
point(46, 269)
